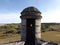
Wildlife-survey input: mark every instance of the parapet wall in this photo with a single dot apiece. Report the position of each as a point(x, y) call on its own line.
point(42, 42)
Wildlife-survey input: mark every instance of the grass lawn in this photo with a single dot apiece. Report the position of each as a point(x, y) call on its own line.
point(48, 36)
point(51, 36)
point(9, 38)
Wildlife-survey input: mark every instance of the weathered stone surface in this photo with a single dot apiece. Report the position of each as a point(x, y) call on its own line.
point(30, 12)
point(23, 30)
point(31, 25)
point(14, 43)
point(42, 42)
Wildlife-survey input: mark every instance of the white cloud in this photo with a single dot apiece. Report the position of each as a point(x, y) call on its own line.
point(51, 16)
point(10, 18)
point(52, 13)
point(57, 0)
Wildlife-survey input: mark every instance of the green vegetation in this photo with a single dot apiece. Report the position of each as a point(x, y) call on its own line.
point(51, 32)
point(10, 28)
point(11, 32)
point(50, 27)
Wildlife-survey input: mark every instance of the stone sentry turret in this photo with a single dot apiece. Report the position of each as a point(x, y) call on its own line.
point(31, 25)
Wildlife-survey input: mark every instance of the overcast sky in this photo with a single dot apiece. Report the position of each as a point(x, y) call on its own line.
point(10, 10)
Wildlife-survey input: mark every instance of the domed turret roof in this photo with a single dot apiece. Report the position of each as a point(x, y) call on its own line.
point(31, 9)
point(30, 12)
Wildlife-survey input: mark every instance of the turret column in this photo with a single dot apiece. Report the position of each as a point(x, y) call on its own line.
point(31, 26)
